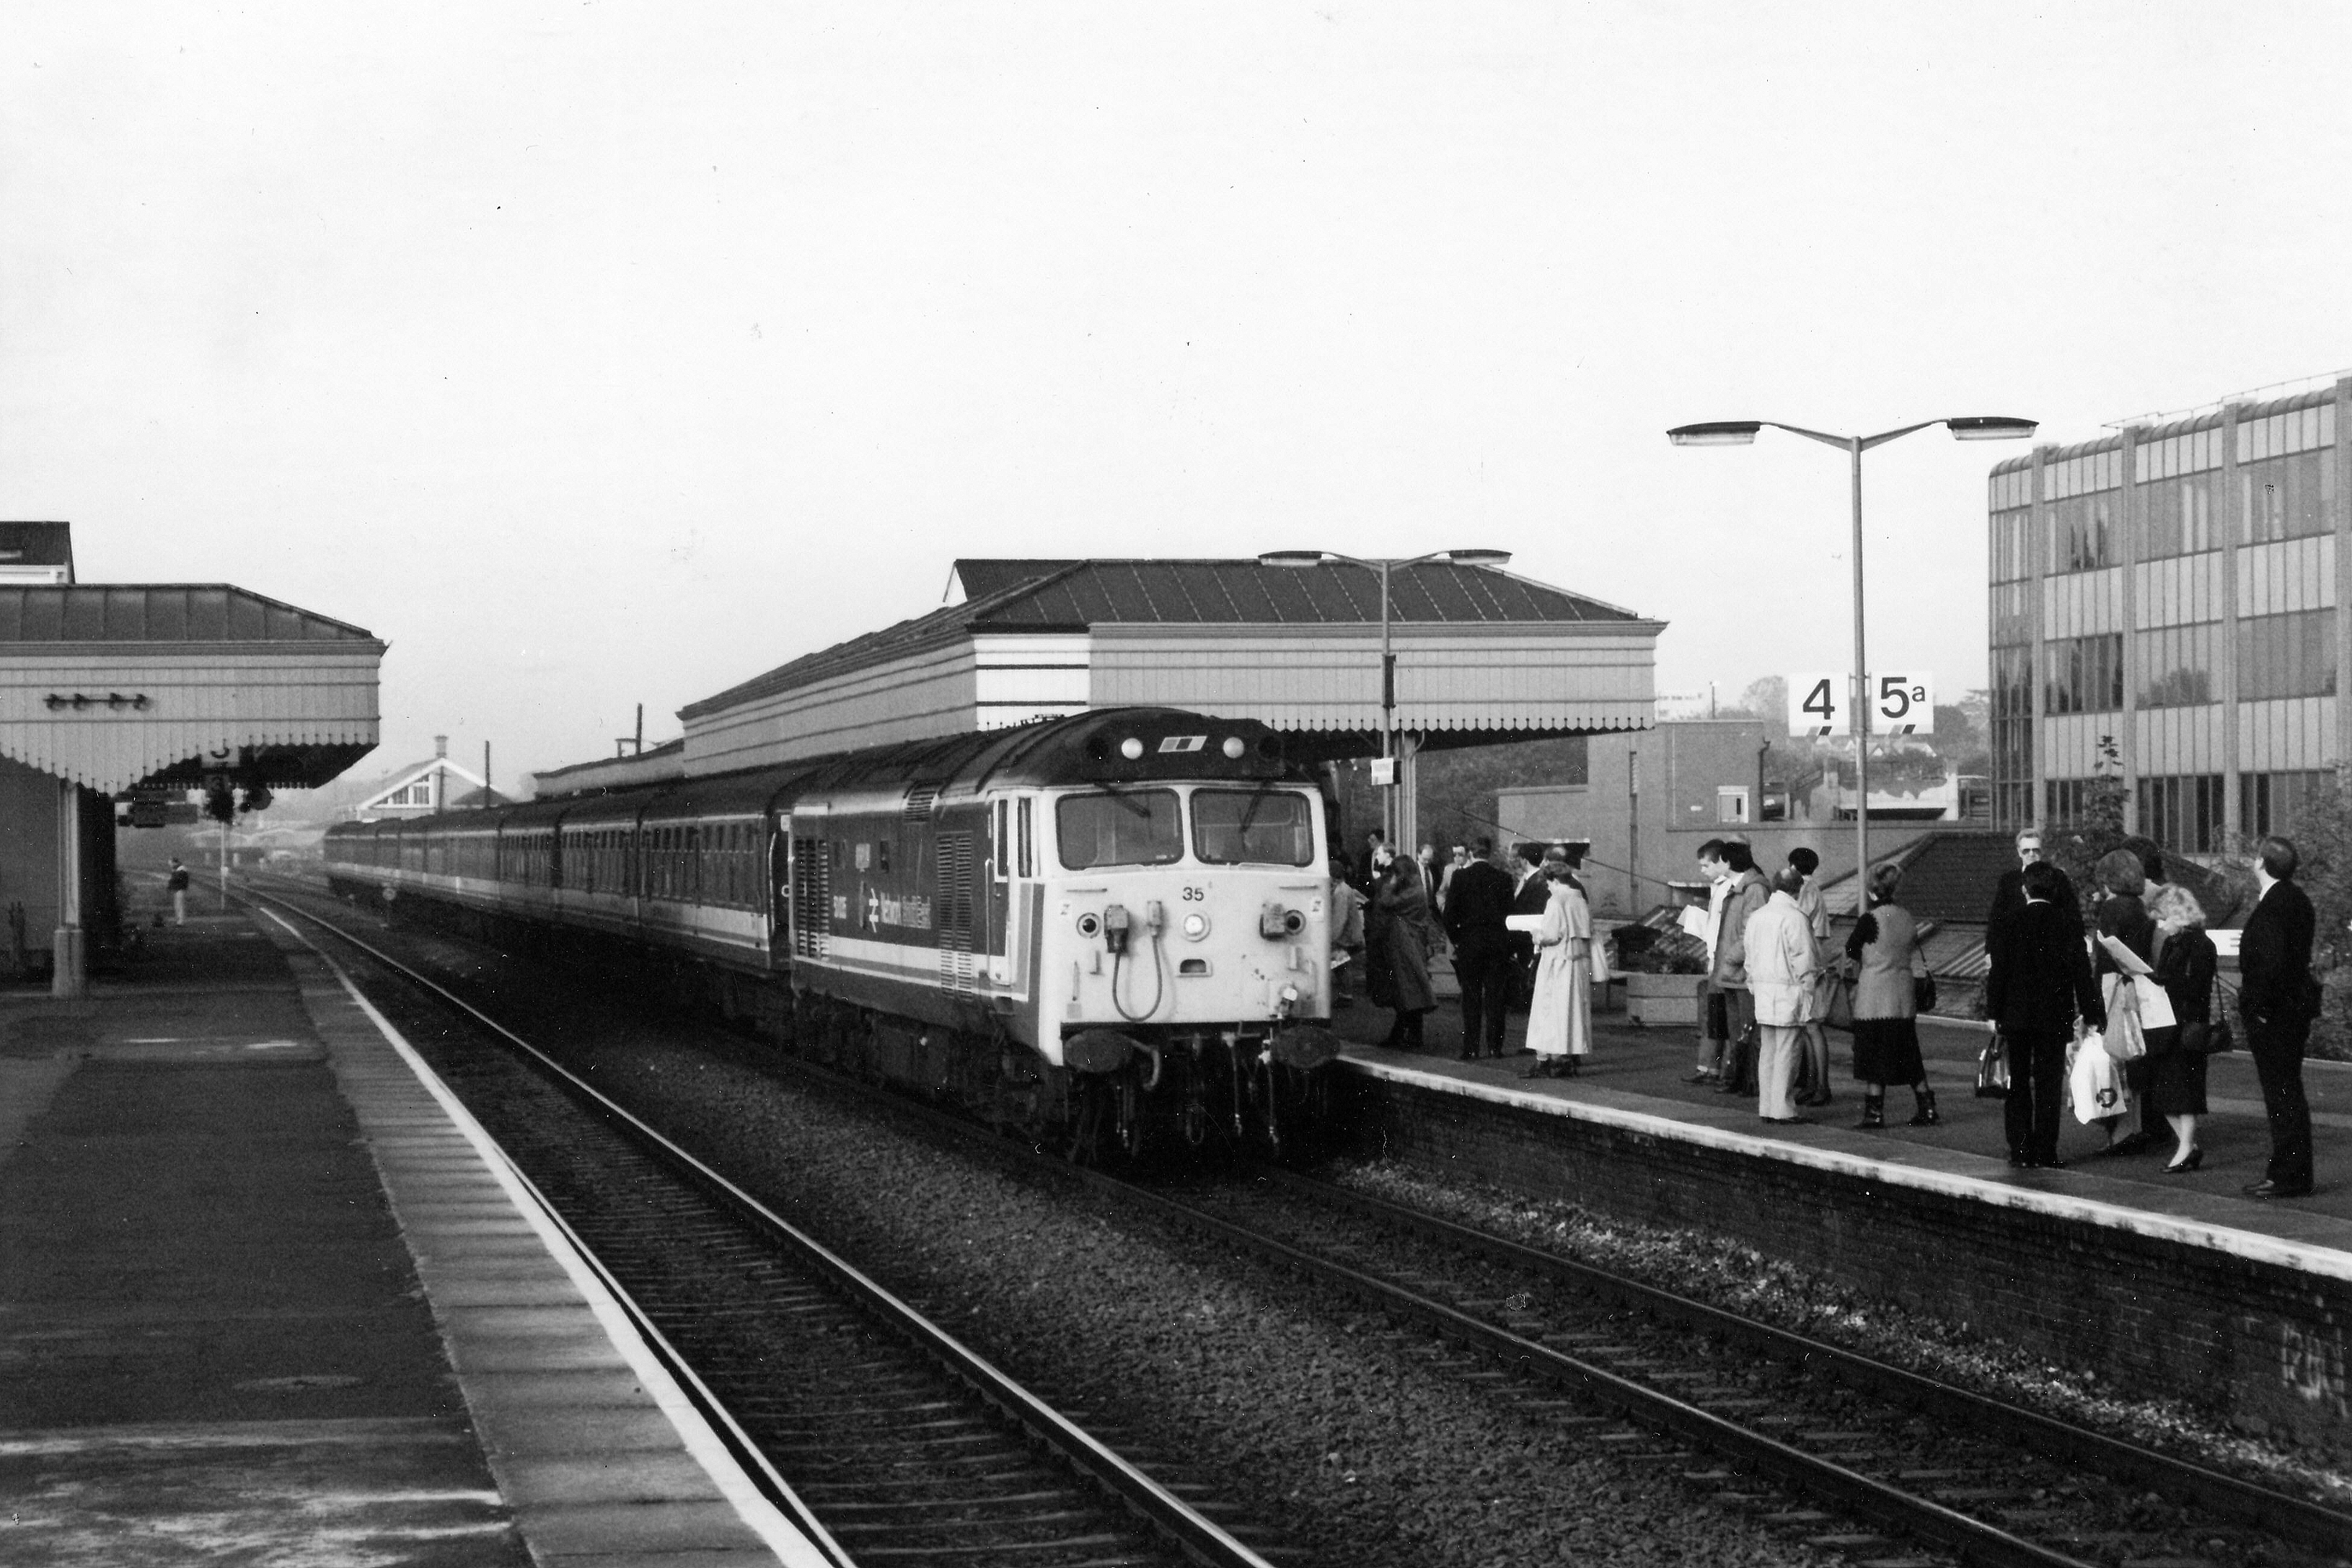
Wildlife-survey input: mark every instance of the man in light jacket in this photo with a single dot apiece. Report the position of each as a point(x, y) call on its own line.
point(1782, 962)
point(1749, 893)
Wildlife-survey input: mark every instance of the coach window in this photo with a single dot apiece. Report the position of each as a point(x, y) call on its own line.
point(1000, 843)
point(1028, 856)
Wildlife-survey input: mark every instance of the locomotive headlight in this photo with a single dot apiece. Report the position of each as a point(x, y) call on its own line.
point(1090, 925)
point(1130, 748)
point(1233, 747)
point(1196, 926)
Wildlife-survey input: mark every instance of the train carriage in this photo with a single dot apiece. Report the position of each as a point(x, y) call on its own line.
point(1105, 923)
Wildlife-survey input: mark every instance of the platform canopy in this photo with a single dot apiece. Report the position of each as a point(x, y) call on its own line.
point(164, 684)
point(1482, 655)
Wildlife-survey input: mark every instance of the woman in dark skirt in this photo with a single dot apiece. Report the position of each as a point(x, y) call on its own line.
point(2122, 915)
point(2184, 967)
point(1885, 1028)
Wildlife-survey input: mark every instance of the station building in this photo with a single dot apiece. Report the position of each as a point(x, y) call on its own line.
point(2174, 592)
point(150, 689)
point(1481, 656)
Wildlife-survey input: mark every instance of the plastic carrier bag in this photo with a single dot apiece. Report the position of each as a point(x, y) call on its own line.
point(2093, 1085)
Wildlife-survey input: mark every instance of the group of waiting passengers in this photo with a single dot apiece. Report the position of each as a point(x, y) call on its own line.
point(1769, 980)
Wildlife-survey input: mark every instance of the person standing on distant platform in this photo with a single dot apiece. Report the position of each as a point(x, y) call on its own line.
point(2278, 999)
point(177, 882)
point(1479, 897)
point(1815, 1039)
point(1782, 963)
point(1560, 1018)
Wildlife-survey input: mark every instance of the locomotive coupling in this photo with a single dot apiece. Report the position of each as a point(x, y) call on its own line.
point(1101, 1051)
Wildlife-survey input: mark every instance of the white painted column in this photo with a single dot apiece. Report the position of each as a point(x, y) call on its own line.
point(69, 975)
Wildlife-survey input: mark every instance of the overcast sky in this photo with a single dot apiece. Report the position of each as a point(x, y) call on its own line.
point(593, 355)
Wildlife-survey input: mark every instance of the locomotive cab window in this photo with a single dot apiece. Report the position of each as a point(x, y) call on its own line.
point(1259, 828)
point(1127, 827)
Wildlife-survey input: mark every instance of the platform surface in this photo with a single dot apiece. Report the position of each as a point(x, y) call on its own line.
point(263, 1297)
point(1644, 1073)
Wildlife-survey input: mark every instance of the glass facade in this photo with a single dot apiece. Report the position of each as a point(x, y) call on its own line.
point(2273, 802)
point(2201, 492)
point(2182, 811)
point(2286, 656)
point(2173, 667)
point(2087, 674)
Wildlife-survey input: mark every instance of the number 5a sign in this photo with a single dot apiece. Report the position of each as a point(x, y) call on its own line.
point(1820, 703)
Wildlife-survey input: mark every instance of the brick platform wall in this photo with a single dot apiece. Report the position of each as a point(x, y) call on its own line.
point(2261, 1345)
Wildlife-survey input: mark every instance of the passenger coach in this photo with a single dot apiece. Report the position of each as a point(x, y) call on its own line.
point(1114, 925)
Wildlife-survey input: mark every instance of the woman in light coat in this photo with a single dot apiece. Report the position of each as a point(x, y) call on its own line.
point(1885, 1006)
point(1560, 1019)
point(1783, 964)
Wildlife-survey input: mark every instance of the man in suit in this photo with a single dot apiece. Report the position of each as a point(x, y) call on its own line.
point(2278, 999)
point(1478, 897)
point(1529, 893)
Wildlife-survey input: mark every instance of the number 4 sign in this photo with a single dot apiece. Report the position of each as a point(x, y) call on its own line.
point(1820, 704)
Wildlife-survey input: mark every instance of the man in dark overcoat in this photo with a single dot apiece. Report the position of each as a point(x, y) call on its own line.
point(2278, 999)
point(1478, 897)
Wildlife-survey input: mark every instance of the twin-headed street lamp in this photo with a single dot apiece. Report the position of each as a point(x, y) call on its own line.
point(1305, 558)
point(1742, 433)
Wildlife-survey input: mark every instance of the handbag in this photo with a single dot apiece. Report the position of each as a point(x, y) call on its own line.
point(1992, 1070)
point(1923, 993)
point(1745, 1053)
point(1840, 1015)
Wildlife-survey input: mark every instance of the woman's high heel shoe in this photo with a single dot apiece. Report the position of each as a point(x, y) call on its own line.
point(2182, 1167)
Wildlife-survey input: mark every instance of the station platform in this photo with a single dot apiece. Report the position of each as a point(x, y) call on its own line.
point(2167, 1284)
point(266, 1295)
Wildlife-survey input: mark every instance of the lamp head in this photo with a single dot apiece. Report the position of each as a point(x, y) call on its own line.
point(1718, 433)
point(1992, 427)
point(1290, 558)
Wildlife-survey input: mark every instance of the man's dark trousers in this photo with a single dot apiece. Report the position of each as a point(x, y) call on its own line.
point(1482, 964)
point(2037, 1079)
point(2277, 1050)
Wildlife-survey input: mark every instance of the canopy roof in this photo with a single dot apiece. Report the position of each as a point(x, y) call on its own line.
point(110, 685)
point(1481, 656)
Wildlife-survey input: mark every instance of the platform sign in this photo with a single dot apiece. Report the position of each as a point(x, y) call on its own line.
point(1821, 703)
point(1818, 701)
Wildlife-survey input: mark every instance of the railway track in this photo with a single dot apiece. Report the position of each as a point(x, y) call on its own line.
point(883, 1435)
point(1852, 1454)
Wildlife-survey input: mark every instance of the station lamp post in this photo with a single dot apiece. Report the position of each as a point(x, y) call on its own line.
point(1305, 558)
point(1742, 433)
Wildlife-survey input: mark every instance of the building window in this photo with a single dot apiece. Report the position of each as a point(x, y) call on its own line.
point(2287, 655)
point(1731, 803)
point(2012, 735)
point(2082, 532)
point(2274, 803)
point(2179, 516)
point(2066, 799)
point(2087, 674)
point(2182, 812)
point(2010, 560)
point(2174, 667)
point(2286, 498)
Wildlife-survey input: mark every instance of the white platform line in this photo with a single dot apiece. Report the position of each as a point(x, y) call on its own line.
point(762, 1516)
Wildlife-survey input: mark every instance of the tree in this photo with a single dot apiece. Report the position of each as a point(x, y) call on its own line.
point(2077, 849)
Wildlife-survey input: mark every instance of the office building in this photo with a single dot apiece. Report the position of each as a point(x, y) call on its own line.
point(2171, 591)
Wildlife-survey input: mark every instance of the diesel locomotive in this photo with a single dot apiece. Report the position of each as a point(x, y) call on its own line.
point(1111, 928)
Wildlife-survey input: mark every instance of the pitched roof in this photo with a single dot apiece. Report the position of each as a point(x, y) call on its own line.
point(160, 612)
point(1042, 595)
point(1078, 594)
